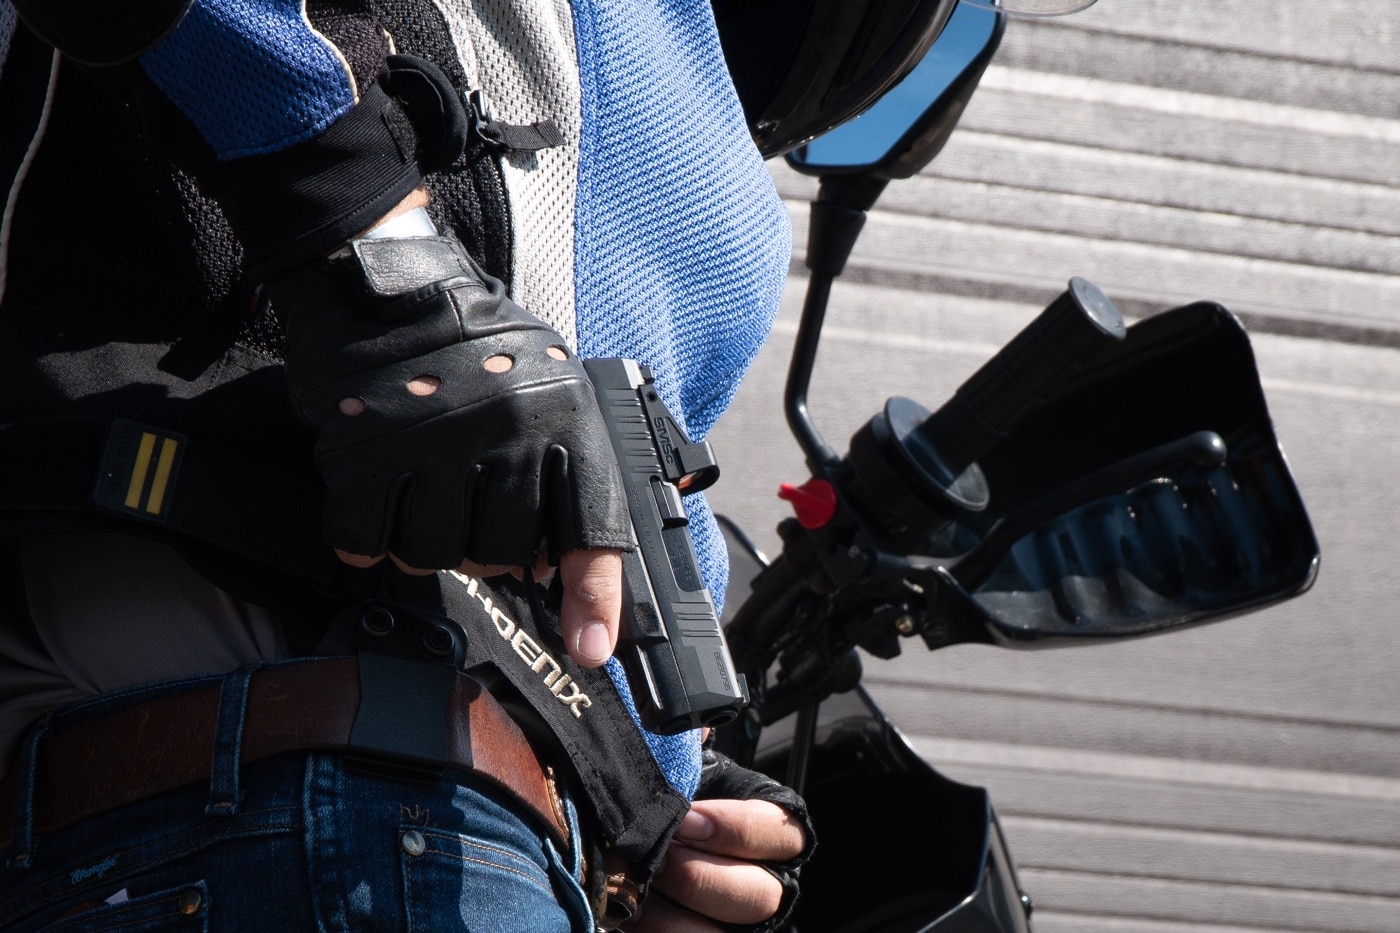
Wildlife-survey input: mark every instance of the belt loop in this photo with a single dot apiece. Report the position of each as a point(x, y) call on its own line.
point(26, 775)
point(228, 743)
point(575, 840)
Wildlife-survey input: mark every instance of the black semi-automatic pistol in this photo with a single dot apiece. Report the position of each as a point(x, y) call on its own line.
point(671, 644)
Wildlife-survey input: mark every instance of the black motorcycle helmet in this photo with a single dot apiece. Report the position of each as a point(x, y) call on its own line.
point(803, 67)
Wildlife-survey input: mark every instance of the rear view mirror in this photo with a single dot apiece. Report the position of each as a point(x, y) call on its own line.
point(907, 127)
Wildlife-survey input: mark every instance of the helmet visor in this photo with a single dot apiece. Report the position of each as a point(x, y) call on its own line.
point(1033, 7)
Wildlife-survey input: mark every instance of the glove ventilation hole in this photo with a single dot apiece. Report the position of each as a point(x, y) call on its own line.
point(423, 385)
point(352, 406)
point(500, 363)
point(557, 352)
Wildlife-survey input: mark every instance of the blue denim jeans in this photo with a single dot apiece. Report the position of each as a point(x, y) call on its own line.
point(308, 845)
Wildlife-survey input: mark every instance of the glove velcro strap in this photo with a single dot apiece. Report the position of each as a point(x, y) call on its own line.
point(392, 268)
point(380, 300)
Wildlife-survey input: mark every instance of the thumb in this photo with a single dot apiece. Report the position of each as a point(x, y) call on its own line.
point(592, 603)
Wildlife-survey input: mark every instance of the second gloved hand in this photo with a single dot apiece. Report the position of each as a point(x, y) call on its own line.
point(452, 424)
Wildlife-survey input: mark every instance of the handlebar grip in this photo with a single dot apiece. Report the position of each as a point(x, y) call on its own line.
point(1024, 374)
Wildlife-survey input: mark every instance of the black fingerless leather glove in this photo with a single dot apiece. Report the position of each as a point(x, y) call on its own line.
point(722, 779)
point(451, 423)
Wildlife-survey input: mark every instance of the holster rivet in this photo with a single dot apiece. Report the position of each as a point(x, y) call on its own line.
point(438, 641)
point(377, 621)
point(190, 900)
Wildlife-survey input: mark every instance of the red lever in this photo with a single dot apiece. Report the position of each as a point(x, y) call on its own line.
point(814, 502)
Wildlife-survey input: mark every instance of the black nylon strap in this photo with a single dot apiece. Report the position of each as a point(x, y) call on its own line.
point(511, 137)
point(636, 808)
point(210, 496)
point(530, 137)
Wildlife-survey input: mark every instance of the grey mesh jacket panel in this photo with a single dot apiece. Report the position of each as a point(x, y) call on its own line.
point(522, 57)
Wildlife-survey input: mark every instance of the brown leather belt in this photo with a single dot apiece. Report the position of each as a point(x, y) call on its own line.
point(88, 769)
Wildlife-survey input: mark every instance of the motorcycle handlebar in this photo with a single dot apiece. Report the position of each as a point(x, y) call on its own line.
point(1024, 374)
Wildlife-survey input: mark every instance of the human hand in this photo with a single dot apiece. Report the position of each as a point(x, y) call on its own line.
point(713, 872)
point(455, 430)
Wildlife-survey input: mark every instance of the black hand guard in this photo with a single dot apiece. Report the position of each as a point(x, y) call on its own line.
point(722, 779)
point(486, 465)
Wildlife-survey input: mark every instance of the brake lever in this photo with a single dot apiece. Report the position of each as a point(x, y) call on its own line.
point(1203, 449)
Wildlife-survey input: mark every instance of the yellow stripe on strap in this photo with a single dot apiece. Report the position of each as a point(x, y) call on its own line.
point(168, 448)
point(138, 473)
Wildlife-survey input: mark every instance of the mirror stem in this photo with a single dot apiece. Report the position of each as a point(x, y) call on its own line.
point(820, 455)
point(804, 738)
point(838, 214)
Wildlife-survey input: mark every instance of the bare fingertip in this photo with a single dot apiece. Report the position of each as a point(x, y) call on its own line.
point(593, 645)
point(696, 827)
point(361, 561)
point(411, 571)
point(472, 569)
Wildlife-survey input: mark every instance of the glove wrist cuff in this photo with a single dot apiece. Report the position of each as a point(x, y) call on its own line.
point(298, 204)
